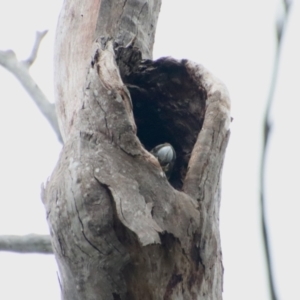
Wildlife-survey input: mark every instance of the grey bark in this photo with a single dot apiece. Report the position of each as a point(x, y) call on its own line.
point(119, 229)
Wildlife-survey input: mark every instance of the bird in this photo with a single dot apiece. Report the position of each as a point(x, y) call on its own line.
point(166, 157)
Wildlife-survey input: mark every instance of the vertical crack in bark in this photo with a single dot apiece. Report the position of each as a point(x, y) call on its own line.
point(106, 187)
point(125, 2)
point(82, 250)
point(105, 119)
point(80, 221)
point(82, 229)
point(139, 14)
point(61, 243)
point(62, 251)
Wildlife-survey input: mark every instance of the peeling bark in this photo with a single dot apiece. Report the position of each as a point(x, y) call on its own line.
point(119, 228)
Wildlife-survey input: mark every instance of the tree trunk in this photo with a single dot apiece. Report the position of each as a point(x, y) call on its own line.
point(119, 228)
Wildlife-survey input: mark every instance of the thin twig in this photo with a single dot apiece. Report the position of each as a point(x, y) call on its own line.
point(281, 26)
point(31, 243)
point(20, 69)
point(287, 4)
point(32, 57)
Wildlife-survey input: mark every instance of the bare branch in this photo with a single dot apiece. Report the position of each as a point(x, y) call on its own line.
point(9, 61)
point(31, 243)
point(32, 57)
point(267, 126)
point(287, 4)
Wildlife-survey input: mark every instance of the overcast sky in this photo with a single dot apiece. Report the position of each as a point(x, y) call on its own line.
point(236, 41)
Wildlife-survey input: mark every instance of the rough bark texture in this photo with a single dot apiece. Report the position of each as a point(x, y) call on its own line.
point(119, 229)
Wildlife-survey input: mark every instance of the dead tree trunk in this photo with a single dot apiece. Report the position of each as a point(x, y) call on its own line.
point(119, 229)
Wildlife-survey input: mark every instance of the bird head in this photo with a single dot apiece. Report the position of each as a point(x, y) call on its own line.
point(166, 157)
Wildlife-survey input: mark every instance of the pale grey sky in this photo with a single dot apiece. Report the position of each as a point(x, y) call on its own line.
point(235, 40)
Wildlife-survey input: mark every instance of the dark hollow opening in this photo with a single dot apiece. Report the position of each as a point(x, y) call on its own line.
point(168, 106)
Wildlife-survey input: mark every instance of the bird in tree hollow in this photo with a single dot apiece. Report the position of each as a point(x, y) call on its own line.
point(166, 157)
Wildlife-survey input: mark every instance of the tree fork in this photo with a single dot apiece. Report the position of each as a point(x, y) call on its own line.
point(119, 229)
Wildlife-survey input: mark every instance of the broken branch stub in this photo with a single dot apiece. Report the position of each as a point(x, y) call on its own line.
point(118, 227)
point(112, 195)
